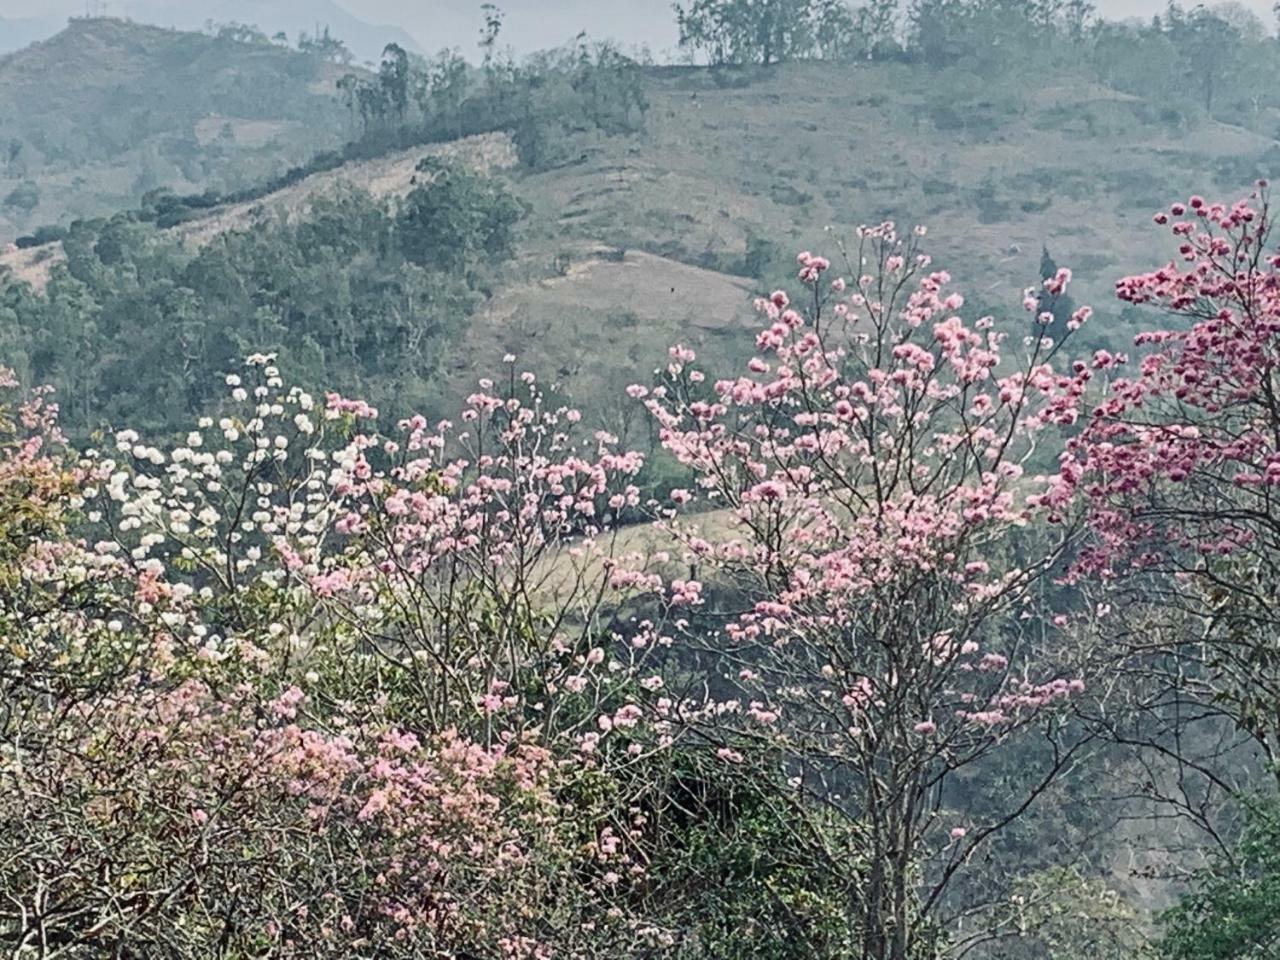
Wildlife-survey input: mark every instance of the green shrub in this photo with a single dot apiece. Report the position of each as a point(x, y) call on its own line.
point(1233, 912)
point(23, 198)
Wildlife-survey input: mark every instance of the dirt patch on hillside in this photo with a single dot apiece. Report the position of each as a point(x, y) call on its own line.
point(390, 176)
point(1075, 94)
point(606, 322)
point(244, 133)
point(34, 265)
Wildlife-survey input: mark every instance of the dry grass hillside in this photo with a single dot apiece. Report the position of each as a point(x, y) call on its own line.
point(795, 158)
point(802, 154)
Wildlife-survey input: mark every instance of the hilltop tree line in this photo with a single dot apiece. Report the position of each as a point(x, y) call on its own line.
point(322, 44)
point(1222, 54)
point(585, 86)
point(541, 100)
point(412, 99)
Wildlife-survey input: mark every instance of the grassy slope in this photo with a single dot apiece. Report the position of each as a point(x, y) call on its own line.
point(799, 157)
point(106, 110)
point(639, 241)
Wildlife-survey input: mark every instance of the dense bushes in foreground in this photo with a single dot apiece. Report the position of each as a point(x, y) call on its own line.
point(313, 685)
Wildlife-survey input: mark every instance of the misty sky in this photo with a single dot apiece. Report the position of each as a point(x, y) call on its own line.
point(530, 24)
point(538, 24)
point(534, 24)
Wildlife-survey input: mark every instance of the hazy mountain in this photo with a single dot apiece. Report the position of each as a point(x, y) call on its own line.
point(425, 25)
point(365, 40)
point(106, 110)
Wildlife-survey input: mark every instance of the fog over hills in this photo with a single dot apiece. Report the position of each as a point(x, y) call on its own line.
point(366, 26)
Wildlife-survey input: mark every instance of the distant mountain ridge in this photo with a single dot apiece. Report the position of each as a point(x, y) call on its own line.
point(365, 40)
point(107, 110)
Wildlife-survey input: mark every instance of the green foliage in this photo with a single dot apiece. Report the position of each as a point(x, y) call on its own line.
point(393, 77)
point(770, 31)
point(582, 87)
point(236, 32)
point(1059, 914)
point(1217, 62)
point(325, 47)
point(765, 260)
point(1205, 44)
point(459, 218)
point(1190, 63)
point(1234, 911)
point(758, 31)
point(740, 870)
point(23, 198)
point(554, 95)
point(358, 295)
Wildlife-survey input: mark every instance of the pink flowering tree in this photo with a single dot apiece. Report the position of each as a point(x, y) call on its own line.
point(870, 556)
point(1179, 467)
point(471, 570)
point(295, 687)
point(482, 563)
point(182, 816)
point(301, 685)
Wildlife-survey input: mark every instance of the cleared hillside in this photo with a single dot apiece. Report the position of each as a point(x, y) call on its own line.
point(735, 178)
point(799, 155)
point(107, 110)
